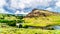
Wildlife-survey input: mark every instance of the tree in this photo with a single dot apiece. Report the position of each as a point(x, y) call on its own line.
point(12, 23)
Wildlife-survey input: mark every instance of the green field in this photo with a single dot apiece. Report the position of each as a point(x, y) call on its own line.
point(12, 30)
point(43, 19)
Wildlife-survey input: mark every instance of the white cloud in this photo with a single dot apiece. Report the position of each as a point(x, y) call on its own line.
point(58, 4)
point(21, 4)
point(2, 10)
point(2, 3)
point(42, 2)
point(14, 3)
point(22, 12)
point(17, 12)
point(50, 9)
point(29, 3)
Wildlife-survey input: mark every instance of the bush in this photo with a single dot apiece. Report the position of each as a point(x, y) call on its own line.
point(12, 23)
point(20, 26)
point(20, 17)
point(20, 21)
point(26, 26)
point(3, 21)
point(9, 22)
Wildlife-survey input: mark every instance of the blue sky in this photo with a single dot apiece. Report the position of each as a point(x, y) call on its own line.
point(26, 6)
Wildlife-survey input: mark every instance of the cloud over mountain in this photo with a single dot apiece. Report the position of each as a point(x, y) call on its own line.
point(12, 6)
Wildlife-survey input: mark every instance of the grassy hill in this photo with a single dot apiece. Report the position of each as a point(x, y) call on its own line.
point(10, 19)
point(37, 18)
point(42, 18)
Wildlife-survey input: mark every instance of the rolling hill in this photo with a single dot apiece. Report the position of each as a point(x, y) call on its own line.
point(38, 13)
point(42, 18)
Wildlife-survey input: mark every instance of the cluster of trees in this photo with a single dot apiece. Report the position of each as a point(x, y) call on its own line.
point(10, 19)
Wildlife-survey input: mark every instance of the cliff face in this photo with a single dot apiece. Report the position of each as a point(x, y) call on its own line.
point(37, 13)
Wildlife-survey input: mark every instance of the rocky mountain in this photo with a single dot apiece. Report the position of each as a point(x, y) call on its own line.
point(42, 18)
point(38, 12)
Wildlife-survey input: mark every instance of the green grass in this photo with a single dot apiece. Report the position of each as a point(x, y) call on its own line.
point(43, 21)
point(27, 31)
point(35, 21)
point(14, 30)
point(40, 21)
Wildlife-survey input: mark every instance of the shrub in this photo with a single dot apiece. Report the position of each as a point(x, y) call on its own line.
point(3, 21)
point(20, 26)
point(12, 23)
point(26, 26)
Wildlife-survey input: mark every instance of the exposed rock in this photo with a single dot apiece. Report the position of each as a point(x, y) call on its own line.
point(37, 13)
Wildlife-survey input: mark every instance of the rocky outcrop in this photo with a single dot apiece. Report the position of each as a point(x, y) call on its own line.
point(37, 13)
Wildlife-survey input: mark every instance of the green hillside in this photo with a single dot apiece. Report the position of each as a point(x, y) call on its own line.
point(36, 22)
point(10, 19)
point(42, 18)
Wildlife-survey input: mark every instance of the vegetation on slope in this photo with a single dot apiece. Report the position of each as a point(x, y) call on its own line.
point(12, 30)
point(42, 18)
point(10, 19)
point(37, 18)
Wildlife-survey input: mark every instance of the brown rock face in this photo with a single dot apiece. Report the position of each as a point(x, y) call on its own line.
point(37, 13)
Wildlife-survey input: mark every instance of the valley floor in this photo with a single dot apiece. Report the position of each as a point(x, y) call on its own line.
point(27, 31)
point(13, 30)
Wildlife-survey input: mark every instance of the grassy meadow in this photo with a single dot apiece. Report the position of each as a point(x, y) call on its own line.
point(8, 23)
point(13, 30)
point(43, 21)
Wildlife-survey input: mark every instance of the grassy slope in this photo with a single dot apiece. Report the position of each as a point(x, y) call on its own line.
point(13, 30)
point(28, 31)
point(51, 18)
point(7, 17)
point(38, 21)
point(43, 21)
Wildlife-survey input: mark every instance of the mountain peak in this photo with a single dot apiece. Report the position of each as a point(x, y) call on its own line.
point(38, 12)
